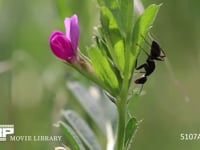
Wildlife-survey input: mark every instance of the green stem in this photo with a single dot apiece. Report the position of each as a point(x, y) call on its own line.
point(121, 107)
point(122, 101)
point(121, 125)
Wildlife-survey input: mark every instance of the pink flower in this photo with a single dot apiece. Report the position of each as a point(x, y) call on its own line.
point(65, 46)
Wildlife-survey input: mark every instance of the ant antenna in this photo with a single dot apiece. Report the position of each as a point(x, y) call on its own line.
point(143, 49)
point(146, 40)
point(152, 37)
point(150, 34)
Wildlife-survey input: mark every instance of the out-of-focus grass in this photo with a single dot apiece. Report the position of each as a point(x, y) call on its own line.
point(32, 90)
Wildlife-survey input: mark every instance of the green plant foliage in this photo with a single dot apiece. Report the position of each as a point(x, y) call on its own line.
point(113, 38)
point(126, 12)
point(71, 136)
point(90, 105)
point(130, 130)
point(104, 70)
point(82, 129)
point(111, 4)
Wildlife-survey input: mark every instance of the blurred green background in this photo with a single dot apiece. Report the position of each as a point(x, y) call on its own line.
point(32, 80)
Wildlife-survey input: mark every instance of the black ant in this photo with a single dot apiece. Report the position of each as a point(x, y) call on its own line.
point(149, 66)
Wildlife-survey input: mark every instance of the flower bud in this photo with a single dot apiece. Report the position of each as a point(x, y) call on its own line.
point(65, 46)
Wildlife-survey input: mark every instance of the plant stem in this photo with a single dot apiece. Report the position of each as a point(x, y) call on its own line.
point(122, 101)
point(121, 107)
point(121, 125)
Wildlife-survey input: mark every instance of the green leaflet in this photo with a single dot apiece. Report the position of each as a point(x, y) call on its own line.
point(126, 12)
point(90, 105)
point(113, 38)
point(130, 130)
point(82, 129)
point(111, 4)
point(122, 11)
point(104, 70)
point(71, 136)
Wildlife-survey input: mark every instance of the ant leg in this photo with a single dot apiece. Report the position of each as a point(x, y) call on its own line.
point(160, 58)
point(136, 63)
point(141, 89)
point(140, 67)
point(140, 72)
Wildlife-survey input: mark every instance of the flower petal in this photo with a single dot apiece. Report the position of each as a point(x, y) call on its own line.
point(67, 23)
point(61, 46)
point(72, 31)
point(56, 32)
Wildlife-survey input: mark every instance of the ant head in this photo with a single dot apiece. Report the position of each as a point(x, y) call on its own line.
point(156, 51)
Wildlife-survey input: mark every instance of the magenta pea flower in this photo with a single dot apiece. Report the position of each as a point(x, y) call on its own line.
point(65, 46)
